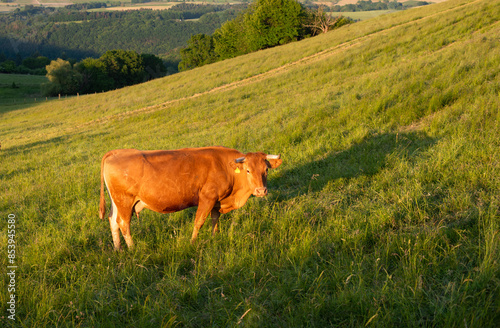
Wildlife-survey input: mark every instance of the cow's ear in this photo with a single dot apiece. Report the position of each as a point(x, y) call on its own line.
point(235, 165)
point(273, 163)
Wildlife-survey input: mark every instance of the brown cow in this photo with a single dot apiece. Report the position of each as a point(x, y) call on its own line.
point(216, 179)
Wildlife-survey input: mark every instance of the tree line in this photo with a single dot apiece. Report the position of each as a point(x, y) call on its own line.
point(34, 64)
point(177, 12)
point(115, 69)
point(265, 24)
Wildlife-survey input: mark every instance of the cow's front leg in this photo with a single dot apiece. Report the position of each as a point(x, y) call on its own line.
point(204, 208)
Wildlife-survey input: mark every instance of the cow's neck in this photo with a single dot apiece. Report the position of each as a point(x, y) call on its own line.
point(238, 196)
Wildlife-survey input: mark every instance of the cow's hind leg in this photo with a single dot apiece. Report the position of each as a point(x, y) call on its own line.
point(114, 225)
point(123, 221)
point(119, 220)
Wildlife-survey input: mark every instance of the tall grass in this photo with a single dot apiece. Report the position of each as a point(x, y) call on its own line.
point(384, 213)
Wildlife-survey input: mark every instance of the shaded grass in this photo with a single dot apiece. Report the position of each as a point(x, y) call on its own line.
point(384, 213)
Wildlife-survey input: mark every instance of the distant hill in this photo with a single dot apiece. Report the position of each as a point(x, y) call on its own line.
point(77, 34)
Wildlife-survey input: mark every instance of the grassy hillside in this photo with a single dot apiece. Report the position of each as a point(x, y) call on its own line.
point(385, 212)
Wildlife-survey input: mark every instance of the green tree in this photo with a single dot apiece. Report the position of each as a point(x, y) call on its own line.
point(267, 23)
point(63, 78)
point(35, 62)
point(230, 40)
point(124, 67)
point(94, 76)
point(273, 22)
point(8, 66)
point(153, 66)
point(199, 52)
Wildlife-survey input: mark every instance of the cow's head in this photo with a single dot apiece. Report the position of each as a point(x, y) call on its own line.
point(254, 166)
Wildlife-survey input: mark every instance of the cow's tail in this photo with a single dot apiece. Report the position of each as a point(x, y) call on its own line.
point(102, 203)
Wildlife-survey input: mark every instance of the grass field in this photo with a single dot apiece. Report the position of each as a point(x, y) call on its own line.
point(361, 15)
point(125, 4)
point(384, 213)
point(18, 88)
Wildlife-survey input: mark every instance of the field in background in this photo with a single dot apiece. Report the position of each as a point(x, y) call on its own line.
point(347, 2)
point(361, 15)
point(20, 88)
point(384, 213)
point(125, 5)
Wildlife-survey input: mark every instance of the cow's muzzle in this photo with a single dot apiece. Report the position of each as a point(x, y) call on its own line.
point(260, 192)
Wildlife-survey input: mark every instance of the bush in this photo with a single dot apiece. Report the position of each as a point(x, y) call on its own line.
point(199, 52)
point(8, 66)
point(63, 78)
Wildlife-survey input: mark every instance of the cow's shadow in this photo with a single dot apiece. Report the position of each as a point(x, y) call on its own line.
point(365, 158)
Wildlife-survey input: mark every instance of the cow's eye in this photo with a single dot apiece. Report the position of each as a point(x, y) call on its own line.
point(248, 171)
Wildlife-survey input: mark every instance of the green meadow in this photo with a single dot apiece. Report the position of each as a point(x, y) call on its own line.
point(361, 15)
point(18, 89)
point(384, 213)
